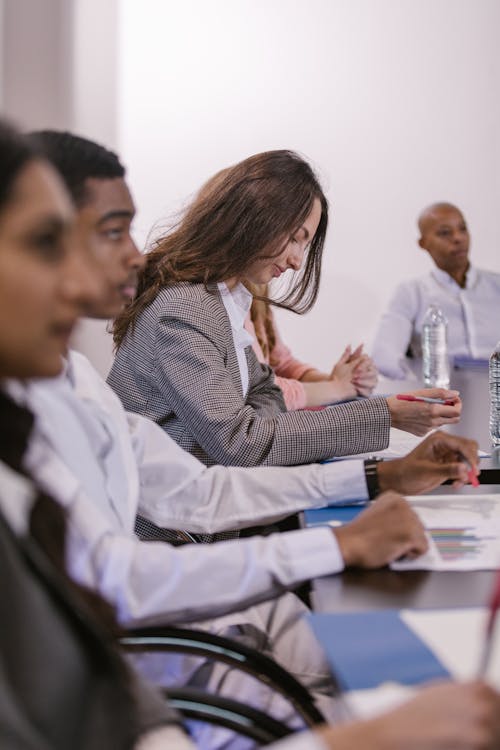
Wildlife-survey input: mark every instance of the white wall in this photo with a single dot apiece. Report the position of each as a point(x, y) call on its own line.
point(58, 63)
point(35, 47)
point(395, 101)
point(94, 64)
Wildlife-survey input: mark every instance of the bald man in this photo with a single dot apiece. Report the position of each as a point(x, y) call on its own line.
point(468, 296)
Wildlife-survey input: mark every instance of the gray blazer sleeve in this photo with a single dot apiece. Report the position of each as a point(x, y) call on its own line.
point(187, 379)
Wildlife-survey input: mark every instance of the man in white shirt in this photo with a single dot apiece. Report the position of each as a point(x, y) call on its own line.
point(468, 296)
point(102, 464)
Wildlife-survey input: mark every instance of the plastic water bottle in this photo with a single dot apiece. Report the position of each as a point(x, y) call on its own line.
point(494, 380)
point(435, 362)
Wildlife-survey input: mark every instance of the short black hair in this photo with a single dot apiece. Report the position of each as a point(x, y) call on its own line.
point(77, 159)
point(16, 152)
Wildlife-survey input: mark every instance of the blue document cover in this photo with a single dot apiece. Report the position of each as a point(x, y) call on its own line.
point(366, 649)
point(470, 363)
point(333, 516)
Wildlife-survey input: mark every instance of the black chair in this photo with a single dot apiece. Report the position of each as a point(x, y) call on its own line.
point(237, 655)
point(228, 713)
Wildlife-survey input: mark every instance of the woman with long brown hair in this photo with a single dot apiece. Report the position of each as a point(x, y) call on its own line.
point(184, 358)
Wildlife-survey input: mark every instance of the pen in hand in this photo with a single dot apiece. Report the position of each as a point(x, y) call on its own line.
point(471, 474)
point(425, 399)
point(490, 627)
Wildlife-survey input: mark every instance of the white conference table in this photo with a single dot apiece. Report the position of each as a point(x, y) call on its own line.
point(379, 589)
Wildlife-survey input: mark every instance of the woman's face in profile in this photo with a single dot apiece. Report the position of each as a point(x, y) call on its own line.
point(264, 269)
point(44, 283)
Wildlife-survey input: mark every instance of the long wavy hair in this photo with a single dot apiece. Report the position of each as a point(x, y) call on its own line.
point(245, 212)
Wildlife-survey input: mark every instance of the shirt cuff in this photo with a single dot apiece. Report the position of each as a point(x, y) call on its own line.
point(345, 481)
point(313, 553)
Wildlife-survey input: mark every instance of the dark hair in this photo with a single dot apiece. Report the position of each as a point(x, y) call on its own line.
point(77, 159)
point(240, 214)
point(16, 152)
point(48, 518)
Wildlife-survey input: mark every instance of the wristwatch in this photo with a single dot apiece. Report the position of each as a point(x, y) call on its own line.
point(371, 476)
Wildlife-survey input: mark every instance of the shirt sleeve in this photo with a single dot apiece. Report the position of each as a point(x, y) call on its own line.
point(178, 491)
point(155, 583)
point(394, 333)
point(294, 393)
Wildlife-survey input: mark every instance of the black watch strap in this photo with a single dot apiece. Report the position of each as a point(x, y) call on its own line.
point(371, 476)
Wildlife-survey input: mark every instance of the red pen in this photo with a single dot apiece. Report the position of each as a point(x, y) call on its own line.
point(490, 626)
point(472, 478)
point(425, 399)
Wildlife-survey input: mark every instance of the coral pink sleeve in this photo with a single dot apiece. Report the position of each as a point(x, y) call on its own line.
point(293, 392)
point(288, 370)
point(249, 326)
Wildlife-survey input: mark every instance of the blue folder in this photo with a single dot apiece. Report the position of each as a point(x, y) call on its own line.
point(335, 515)
point(366, 649)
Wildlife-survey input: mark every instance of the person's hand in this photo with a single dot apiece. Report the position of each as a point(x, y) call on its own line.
point(386, 530)
point(342, 374)
point(444, 716)
point(419, 417)
point(365, 375)
point(437, 458)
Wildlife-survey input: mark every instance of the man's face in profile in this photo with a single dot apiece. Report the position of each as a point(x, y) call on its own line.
point(104, 223)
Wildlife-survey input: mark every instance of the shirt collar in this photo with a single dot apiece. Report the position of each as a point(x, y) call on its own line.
point(237, 302)
point(446, 280)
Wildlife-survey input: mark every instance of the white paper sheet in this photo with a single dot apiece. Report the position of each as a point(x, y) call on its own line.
point(456, 636)
point(400, 443)
point(463, 532)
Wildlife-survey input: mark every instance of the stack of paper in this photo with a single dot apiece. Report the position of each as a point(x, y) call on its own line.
point(463, 532)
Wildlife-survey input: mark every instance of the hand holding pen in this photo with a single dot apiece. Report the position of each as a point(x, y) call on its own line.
point(421, 411)
point(425, 399)
point(438, 458)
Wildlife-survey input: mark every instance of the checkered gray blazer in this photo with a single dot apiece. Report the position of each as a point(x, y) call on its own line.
point(179, 368)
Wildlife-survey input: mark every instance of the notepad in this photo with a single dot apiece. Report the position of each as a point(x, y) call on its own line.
point(367, 649)
point(463, 532)
point(400, 444)
point(405, 647)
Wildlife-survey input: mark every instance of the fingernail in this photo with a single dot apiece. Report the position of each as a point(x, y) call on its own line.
point(472, 478)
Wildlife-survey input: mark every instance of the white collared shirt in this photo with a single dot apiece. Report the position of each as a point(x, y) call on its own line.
point(138, 465)
point(237, 302)
point(473, 315)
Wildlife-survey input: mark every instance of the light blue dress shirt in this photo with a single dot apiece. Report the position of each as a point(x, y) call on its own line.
point(473, 315)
